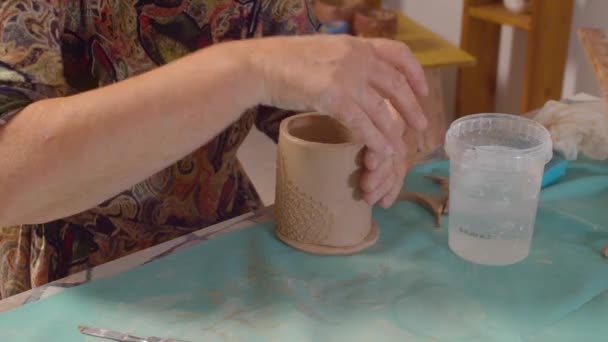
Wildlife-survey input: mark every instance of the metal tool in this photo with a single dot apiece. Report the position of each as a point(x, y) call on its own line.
point(122, 337)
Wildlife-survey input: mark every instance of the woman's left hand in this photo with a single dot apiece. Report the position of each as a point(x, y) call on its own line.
point(383, 177)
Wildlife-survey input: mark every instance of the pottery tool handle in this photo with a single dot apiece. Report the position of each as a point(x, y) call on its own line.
point(121, 337)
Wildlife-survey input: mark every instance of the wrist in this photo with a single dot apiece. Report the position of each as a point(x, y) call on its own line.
point(230, 65)
point(258, 67)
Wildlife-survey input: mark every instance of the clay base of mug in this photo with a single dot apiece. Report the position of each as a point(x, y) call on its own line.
point(368, 241)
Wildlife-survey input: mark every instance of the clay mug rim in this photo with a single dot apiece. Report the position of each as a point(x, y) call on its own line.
point(284, 127)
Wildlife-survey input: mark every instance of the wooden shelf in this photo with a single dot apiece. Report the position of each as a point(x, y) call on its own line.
point(431, 50)
point(497, 13)
point(548, 30)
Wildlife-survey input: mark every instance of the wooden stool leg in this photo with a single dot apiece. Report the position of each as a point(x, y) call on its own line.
point(477, 84)
point(546, 53)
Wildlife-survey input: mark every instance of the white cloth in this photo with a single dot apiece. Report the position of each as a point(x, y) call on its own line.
point(579, 127)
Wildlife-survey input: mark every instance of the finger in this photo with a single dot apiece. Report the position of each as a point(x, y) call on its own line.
point(394, 86)
point(380, 191)
point(406, 154)
point(402, 147)
point(398, 121)
point(389, 199)
point(401, 163)
point(372, 159)
point(358, 122)
point(377, 109)
point(411, 144)
point(399, 55)
point(400, 158)
point(371, 180)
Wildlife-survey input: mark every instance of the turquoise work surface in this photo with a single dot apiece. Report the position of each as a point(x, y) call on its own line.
point(408, 287)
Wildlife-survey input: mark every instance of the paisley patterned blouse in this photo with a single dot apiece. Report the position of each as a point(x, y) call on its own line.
point(52, 48)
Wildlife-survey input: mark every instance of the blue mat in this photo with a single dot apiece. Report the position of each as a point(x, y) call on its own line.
point(408, 287)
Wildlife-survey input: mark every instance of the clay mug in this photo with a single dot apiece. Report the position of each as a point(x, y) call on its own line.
point(318, 204)
point(375, 23)
point(331, 10)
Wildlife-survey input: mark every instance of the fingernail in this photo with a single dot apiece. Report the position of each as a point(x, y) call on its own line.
point(372, 184)
point(421, 122)
point(425, 89)
point(367, 187)
point(373, 162)
point(369, 200)
point(375, 198)
point(389, 150)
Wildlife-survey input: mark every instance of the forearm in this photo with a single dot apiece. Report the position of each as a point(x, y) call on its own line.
point(65, 155)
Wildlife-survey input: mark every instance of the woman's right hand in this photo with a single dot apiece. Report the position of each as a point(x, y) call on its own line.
point(346, 77)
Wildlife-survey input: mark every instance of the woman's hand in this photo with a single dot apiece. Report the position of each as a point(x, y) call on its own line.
point(370, 85)
point(349, 78)
point(383, 178)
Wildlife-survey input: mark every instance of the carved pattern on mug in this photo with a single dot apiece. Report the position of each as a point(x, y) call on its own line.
point(299, 216)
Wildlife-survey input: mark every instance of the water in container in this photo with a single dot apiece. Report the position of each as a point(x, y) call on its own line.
point(496, 168)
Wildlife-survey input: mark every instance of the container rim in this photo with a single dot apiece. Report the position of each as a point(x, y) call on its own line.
point(543, 150)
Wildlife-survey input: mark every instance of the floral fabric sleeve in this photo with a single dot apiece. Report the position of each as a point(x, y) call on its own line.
point(30, 54)
point(283, 17)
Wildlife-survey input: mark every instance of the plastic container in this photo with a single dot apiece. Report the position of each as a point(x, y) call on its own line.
point(496, 168)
